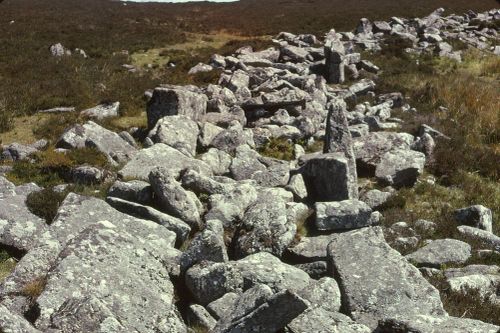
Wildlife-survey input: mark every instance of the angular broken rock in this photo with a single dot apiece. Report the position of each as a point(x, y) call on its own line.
point(210, 281)
point(342, 215)
point(173, 198)
point(207, 245)
point(321, 320)
point(376, 282)
point(265, 227)
point(135, 190)
point(261, 310)
point(116, 149)
point(87, 291)
point(441, 252)
point(160, 155)
point(179, 132)
point(338, 140)
point(176, 100)
point(400, 168)
point(485, 238)
point(328, 178)
point(19, 227)
point(428, 323)
point(476, 216)
point(174, 224)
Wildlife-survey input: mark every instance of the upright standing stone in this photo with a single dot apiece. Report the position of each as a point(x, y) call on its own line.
point(335, 59)
point(338, 139)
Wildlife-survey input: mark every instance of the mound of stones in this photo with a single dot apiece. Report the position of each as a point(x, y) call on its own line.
point(200, 231)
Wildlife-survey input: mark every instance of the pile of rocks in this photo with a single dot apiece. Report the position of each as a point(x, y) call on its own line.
point(201, 231)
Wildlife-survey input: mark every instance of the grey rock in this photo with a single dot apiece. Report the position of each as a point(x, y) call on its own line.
point(312, 248)
point(95, 136)
point(429, 323)
point(160, 155)
point(102, 111)
point(476, 216)
point(262, 312)
point(58, 50)
point(217, 160)
point(321, 320)
point(176, 225)
point(229, 207)
point(173, 199)
point(338, 140)
point(370, 149)
point(375, 198)
point(19, 228)
point(178, 131)
point(265, 227)
point(441, 252)
point(327, 177)
point(400, 168)
point(89, 175)
point(223, 306)
point(14, 323)
point(485, 238)
point(176, 100)
point(210, 281)
point(200, 68)
point(76, 298)
point(197, 316)
point(207, 245)
point(135, 190)
point(379, 283)
point(297, 186)
point(346, 214)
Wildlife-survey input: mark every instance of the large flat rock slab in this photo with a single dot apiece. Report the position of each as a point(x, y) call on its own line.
point(162, 155)
point(376, 282)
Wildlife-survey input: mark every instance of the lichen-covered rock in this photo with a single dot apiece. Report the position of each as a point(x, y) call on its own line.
point(14, 323)
point(327, 177)
point(174, 224)
point(476, 216)
point(87, 291)
point(102, 111)
point(376, 282)
point(173, 198)
point(19, 227)
point(116, 149)
point(441, 252)
point(346, 214)
point(135, 190)
point(429, 323)
point(338, 140)
point(207, 245)
point(400, 168)
point(176, 100)
point(160, 155)
point(210, 281)
point(265, 227)
point(485, 238)
point(321, 320)
point(179, 132)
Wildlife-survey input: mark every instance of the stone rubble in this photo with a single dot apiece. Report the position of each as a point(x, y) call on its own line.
point(202, 230)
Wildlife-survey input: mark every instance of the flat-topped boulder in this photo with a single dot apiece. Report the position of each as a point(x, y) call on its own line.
point(162, 155)
point(176, 100)
point(427, 324)
point(376, 282)
point(92, 135)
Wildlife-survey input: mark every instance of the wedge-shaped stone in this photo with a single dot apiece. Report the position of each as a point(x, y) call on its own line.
point(376, 282)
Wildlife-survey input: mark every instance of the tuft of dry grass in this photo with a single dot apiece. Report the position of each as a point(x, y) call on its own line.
point(34, 288)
